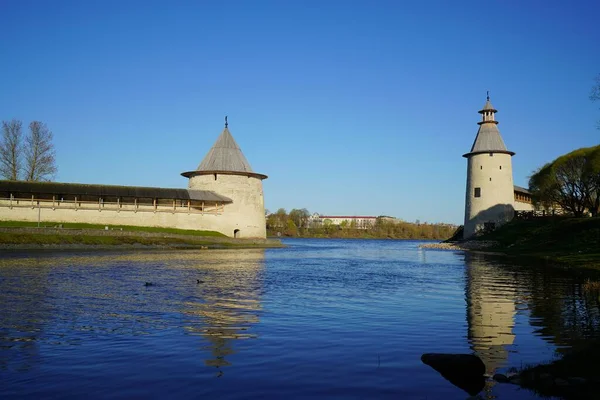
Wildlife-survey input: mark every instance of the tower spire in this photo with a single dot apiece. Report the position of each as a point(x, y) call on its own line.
point(488, 95)
point(226, 121)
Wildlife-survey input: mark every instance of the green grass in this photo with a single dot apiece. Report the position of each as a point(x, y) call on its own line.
point(13, 238)
point(129, 228)
point(568, 241)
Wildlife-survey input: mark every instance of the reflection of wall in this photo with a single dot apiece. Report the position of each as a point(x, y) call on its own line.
point(21, 314)
point(228, 300)
point(61, 300)
point(491, 297)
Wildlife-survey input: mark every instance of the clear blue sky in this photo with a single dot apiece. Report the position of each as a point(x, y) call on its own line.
point(350, 107)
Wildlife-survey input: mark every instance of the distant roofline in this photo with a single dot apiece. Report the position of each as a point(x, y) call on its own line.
point(86, 189)
point(190, 174)
point(472, 153)
point(347, 216)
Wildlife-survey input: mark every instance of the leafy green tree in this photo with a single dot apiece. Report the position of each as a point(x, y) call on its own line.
point(570, 181)
point(299, 217)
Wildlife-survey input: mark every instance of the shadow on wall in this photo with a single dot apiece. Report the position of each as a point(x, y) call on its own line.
point(489, 219)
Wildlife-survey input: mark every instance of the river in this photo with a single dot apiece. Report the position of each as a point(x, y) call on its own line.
point(322, 318)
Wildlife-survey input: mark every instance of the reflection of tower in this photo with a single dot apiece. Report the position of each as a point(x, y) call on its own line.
point(490, 191)
point(491, 297)
point(230, 289)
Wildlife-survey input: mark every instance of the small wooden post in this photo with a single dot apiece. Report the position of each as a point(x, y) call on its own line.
point(11, 199)
point(155, 204)
point(32, 201)
point(53, 201)
point(76, 202)
point(135, 204)
point(202, 208)
point(189, 206)
point(174, 205)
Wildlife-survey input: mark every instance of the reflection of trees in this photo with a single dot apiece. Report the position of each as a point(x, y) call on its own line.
point(558, 308)
point(23, 306)
point(562, 313)
point(491, 294)
point(228, 300)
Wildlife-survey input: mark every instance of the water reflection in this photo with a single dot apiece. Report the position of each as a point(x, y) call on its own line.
point(491, 297)
point(228, 302)
point(498, 291)
point(50, 299)
point(24, 307)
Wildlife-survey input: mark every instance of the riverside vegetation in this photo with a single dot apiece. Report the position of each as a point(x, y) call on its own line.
point(297, 223)
point(563, 241)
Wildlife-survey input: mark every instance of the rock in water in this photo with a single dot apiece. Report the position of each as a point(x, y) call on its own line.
point(465, 371)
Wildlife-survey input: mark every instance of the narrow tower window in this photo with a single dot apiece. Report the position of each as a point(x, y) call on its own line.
point(477, 192)
point(490, 179)
point(481, 167)
point(501, 167)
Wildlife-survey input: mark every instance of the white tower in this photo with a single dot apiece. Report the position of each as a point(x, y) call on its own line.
point(490, 191)
point(226, 171)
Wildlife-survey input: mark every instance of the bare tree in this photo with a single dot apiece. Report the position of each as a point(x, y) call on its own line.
point(10, 149)
point(595, 93)
point(40, 164)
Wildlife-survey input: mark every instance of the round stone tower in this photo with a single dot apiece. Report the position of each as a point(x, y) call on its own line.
point(490, 191)
point(226, 171)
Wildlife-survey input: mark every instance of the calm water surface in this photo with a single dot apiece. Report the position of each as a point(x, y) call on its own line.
point(319, 319)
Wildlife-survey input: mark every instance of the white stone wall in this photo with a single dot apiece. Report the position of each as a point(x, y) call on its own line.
point(247, 212)
point(493, 175)
point(522, 206)
point(207, 221)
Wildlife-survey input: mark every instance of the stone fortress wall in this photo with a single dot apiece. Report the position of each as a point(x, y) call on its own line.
point(214, 218)
point(224, 195)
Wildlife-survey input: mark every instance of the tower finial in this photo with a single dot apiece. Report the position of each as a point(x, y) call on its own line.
point(226, 121)
point(488, 95)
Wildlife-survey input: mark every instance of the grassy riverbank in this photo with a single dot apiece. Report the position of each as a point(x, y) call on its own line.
point(23, 235)
point(573, 242)
point(570, 243)
point(126, 228)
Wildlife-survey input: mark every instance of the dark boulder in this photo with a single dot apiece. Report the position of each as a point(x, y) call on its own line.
point(465, 371)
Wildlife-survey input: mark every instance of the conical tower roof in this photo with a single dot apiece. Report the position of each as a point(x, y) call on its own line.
point(488, 139)
point(225, 157)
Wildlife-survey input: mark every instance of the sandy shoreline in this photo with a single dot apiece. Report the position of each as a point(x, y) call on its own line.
point(460, 246)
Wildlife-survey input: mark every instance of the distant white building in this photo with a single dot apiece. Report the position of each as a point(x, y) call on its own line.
point(354, 221)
